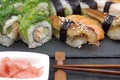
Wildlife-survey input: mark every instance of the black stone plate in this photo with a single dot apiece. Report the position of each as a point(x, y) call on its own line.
point(108, 48)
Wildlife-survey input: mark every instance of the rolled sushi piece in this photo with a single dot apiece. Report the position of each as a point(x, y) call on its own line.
point(35, 31)
point(76, 8)
point(67, 7)
point(57, 8)
point(15, 3)
point(9, 25)
point(73, 33)
point(53, 9)
point(41, 7)
point(110, 24)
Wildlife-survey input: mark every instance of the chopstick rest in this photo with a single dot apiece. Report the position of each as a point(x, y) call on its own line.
point(59, 60)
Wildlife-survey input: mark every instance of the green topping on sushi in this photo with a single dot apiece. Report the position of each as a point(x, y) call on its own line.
point(41, 7)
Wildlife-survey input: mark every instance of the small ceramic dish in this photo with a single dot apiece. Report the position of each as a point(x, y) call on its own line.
point(36, 59)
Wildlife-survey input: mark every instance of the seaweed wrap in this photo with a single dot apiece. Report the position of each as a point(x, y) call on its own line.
point(41, 7)
point(35, 30)
point(9, 24)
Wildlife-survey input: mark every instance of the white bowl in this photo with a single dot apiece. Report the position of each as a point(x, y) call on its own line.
point(36, 59)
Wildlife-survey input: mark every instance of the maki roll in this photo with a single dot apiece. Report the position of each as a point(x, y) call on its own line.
point(41, 7)
point(35, 30)
point(73, 33)
point(53, 9)
point(67, 7)
point(76, 8)
point(15, 3)
point(57, 8)
point(9, 24)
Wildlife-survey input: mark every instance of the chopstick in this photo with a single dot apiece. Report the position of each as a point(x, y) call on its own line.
point(108, 66)
point(100, 71)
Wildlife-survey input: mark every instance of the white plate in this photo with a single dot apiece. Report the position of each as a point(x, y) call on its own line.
point(36, 59)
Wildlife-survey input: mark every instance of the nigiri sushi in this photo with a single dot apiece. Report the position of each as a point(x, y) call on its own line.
point(107, 6)
point(88, 22)
point(73, 33)
point(110, 24)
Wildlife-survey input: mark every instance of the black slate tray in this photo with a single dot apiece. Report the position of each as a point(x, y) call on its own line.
point(74, 75)
point(108, 48)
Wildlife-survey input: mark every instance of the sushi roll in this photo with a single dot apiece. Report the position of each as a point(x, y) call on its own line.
point(88, 4)
point(15, 3)
point(73, 33)
point(9, 25)
point(35, 30)
point(76, 7)
point(67, 7)
point(41, 7)
point(53, 9)
point(110, 24)
point(57, 8)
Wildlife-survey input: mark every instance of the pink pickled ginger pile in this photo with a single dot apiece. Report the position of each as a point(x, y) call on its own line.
point(18, 69)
